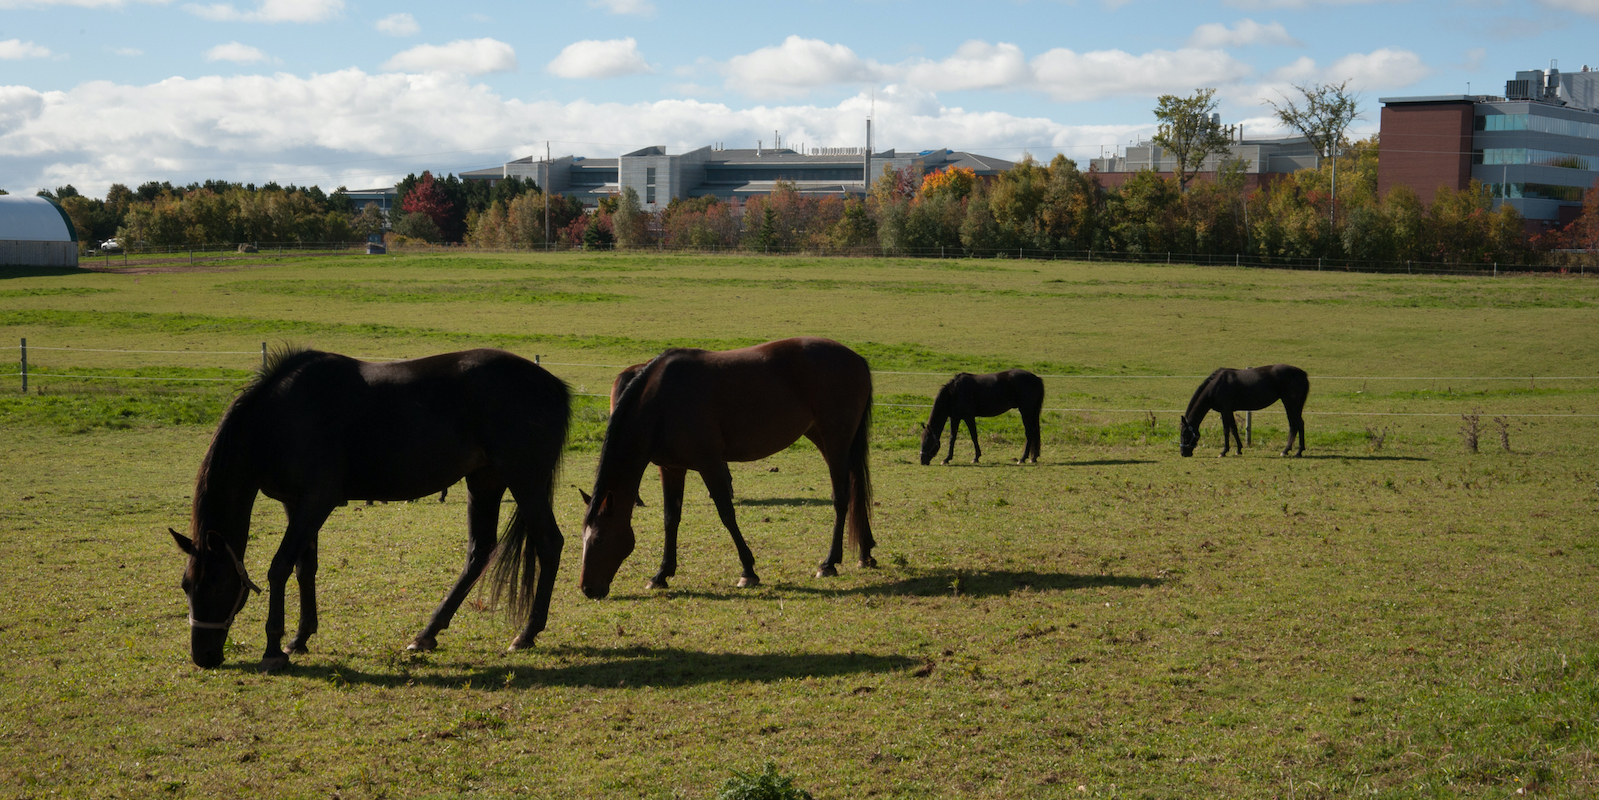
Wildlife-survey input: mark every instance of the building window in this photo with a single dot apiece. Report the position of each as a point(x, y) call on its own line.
point(1541, 124)
point(649, 185)
point(1541, 158)
point(1535, 191)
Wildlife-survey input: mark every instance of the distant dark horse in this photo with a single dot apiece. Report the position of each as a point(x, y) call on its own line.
point(316, 430)
point(967, 397)
point(698, 410)
point(1229, 390)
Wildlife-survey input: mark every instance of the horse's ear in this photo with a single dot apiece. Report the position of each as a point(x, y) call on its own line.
point(184, 543)
point(605, 504)
point(587, 500)
point(922, 425)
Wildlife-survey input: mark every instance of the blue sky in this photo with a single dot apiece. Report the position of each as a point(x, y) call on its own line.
point(343, 92)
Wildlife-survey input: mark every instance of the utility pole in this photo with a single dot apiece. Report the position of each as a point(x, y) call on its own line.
point(546, 188)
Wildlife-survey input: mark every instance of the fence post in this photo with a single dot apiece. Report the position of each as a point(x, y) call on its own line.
point(1249, 428)
point(263, 356)
point(24, 366)
point(1496, 269)
point(535, 358)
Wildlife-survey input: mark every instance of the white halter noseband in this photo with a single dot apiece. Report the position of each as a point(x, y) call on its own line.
point(246, 586)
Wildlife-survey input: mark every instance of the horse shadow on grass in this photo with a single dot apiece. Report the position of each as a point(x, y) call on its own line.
point(605, 668)
point(930, 583)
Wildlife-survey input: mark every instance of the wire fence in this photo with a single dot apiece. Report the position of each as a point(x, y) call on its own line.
point(1532, 380)
point(1575, 262)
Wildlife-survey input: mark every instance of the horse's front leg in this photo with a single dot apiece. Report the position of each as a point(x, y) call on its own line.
point(719, 482)
point(672, 509)
point(305, 576)
point(954, 433)
point(977, 449)
point(305, 519)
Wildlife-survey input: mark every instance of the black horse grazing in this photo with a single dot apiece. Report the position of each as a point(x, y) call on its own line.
point(967, 397)
point(316, 430)
point(698, 410)
point(1229, 390)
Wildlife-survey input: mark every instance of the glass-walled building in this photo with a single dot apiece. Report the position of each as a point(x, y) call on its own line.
point(1536, 148)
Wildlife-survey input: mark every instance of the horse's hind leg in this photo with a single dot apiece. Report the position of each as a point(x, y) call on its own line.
point(719, 482)
point(483, 517)
point(305, 576)
point(672, 510)
point(1296, 425)
point(547, 546)
point(977, 449)
point(1035, 437)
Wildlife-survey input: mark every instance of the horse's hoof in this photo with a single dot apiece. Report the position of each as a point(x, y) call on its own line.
point(277, 663)
point(748, 582)
point(866, 563)
point(828, 571)
point(297, 648)
point(656, 583)
point(423, 644)
point(520, 644)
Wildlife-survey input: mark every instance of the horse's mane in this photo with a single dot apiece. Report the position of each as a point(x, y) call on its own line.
point(623, 413)
point(222, 459)
point(1204, 386)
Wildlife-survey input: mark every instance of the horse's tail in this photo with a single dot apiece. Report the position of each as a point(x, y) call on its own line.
point(532, 528)
point(515, 572)
point(860, 485)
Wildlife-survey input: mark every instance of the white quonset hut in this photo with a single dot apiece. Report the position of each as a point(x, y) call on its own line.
point(35, 232)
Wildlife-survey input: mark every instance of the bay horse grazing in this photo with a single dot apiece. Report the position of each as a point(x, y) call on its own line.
point(316, 430)
point(1229, 390)
point(698, 410)
point(967, 397)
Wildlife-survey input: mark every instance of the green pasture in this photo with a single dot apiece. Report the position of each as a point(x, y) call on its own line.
point(1392, 615)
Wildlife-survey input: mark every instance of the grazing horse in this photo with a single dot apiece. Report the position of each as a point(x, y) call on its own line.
point(1229, 390)
point(316, 430)
point(697, 410)
point(967, 397)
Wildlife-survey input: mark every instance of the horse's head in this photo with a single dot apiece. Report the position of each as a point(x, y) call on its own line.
point(930, 439)
point(217, 586)
point(607, 542)
point(1189, 437)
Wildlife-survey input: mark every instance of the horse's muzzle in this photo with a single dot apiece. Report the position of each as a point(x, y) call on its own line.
point(207, 648)
point(595, 592)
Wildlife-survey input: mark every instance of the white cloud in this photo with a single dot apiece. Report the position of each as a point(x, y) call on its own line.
point(1380, 69)
point(1069, 76)
point(469, 56)
point(12, 49)
point(360, 130)
point(1243, 33)
point(401, 24)
point(975, 65)
point(18, 105)
point(128, 51)
point(797, 66)
point(1299, 4)
point(235, 52)
point(271, 11)
point(641, 8)
point(599, 59)
point(78, 3)
point(801, 65)
point(1589, 7)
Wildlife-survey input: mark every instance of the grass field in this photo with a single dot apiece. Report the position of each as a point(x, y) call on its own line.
point(1390, 615)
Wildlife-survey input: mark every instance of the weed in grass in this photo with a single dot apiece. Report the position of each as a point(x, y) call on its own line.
point(768, 784)
point(1504, 432)
point(1469, 428)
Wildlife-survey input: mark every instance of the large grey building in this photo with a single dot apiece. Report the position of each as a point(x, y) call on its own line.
point(1261, 158)
point(658, 177)
point(1535, 148)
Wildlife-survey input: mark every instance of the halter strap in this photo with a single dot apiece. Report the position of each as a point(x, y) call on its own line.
point(246, 586)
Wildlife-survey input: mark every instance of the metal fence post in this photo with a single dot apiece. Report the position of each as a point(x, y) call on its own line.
point(263, 356)
point(24, 366)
